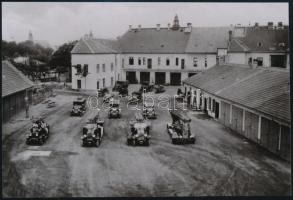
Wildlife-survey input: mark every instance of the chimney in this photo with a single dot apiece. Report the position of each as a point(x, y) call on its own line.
point(230, 36)
point(270, 25)
point(139, 27)
point(169, 26)
point(158, 27)
point(130, 27)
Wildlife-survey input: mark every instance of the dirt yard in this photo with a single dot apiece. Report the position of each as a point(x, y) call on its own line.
point(219, 163)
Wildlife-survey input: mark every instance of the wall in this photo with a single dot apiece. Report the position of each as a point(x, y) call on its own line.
point(242, 58)
point(90, 81)
point(14, 104)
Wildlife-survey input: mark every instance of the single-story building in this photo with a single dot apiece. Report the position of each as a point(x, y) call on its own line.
point(15, 88)
point(253, 101)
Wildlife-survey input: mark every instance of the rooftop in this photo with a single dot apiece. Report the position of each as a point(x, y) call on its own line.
point(13, 80)
point(263, 89)
point(259, 39)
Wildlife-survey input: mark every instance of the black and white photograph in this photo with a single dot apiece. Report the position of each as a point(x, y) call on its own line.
point(145, 99)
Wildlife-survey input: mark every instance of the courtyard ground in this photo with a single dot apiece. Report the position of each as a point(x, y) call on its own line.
point(219, 163)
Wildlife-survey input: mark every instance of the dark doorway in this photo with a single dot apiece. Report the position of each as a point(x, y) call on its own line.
point(98, 84)
point(78, 84)
point(182, 63)
point(149, 63)
point(131, 77)
point(217, 106)
point(175, 78)
point(160, 78)
point(278, 61)
point(205, 105)
point(144, 77)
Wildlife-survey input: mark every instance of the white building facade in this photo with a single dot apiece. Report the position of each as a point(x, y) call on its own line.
point(169, 55)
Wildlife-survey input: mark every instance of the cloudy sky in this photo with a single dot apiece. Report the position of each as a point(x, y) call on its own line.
point(58, 23)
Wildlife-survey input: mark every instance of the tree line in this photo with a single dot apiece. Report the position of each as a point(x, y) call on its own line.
point(59, 60)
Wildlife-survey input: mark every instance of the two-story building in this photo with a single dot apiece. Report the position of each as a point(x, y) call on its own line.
point(260, 45)
point(168, 55)
point(95, 63)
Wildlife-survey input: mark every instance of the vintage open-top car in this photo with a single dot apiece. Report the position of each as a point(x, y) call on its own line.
point(146, 87)
point(79, 107)
point(179, 129)
point(102, 92)
point(38, 133)
point(148, 111)
point(114, 109)
point(92, 132)
point(108, 97)
point(135, 98)
point(159, 89)
point(121, 87)
point(139, 131)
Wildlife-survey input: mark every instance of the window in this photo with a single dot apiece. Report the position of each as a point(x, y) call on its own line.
point(112, 80)
point(98, 84)
point(167, 61)
point(78, 68)
point(149, 63)
point(98, 68)
point(217, 60)
point(159, 60)
point(115, 60)
point(195, 62)
point(112, 67)
point(104, 68)
point(122, 62)
point(205, 62)
point(85, 69)
point(177, 61)
point(259, 44)
point(103, 82)
point(131, 60)
point(143, 60)
point(78, 84)
point(118, 76)
point(210, 103)
point(182, 63)
point(139, 61)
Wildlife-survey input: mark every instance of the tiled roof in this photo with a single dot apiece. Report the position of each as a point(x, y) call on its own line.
point(151, 40)
point(261, 40)
point(263, 89)
point(207, 39)
point(95, 46)
point(13, 80)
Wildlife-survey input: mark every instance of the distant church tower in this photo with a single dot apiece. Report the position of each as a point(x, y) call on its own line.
point(30, 36)
point(176, 25)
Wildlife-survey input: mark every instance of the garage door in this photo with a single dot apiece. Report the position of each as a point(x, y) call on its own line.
point(144, 77)
point(175, 78)
point(225, 113)
point(160, 78)
point(131, 77)
point(269, 134)
point(251, 126)
point(237, 119)
point(285, 149)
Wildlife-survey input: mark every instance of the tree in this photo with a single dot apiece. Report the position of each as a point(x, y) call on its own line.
point(61, 58)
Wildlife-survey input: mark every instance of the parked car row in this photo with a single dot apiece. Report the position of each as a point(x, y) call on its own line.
point(139, 128)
